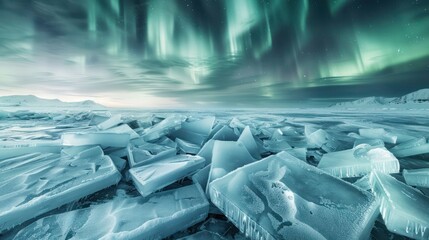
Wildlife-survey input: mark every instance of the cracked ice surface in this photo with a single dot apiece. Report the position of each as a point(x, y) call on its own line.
point(280, 197)
point(35, 183)
point(155, 217)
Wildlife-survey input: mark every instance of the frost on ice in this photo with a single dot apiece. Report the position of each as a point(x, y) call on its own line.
point(97, 175)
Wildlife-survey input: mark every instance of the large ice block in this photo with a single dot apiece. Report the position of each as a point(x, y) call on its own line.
point(378, 133)
point(321, 139)
point(124, 217)
point(123, 128)
point(359, 161)
point(275, 146)
point(166, 126)
point(39, 182)
point(154, 176)
point(147, 153)
point(281, 197)
point(225, 134)
point(111, 122)
point(411, 148)
point(96, 138)
point(195, 132)
point(417, 177)
point(404, 210)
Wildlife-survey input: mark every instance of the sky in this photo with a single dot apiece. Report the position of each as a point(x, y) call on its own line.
point(213, 53)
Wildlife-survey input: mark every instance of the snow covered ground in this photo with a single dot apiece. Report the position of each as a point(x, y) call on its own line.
point(271, 174)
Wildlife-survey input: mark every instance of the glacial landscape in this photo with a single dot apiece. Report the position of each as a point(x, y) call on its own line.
point(329, 173)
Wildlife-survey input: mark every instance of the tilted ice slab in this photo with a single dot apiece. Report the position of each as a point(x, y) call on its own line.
point(246, 138)
point(148, 152)
point(321, 139)
point(154, 176)
point(123, 128)
point(9, 149)
point(130, 218)
point(96, 138)
point(359, 161)
point(195, 132)
point(166, 126)
point(281, 197)
point(206, 235)
point(36, 183)
point(404, 210)
point(187, 147)
point(111, 122)
point(378, 133)
point(411, 148)
point(417, 177)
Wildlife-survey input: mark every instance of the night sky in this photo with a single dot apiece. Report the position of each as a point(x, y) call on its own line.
point(213, 53)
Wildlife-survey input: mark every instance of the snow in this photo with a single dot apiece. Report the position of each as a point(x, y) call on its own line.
point(26, 101)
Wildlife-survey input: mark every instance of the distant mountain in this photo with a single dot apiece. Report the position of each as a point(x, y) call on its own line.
point(33, 101)
point(414, 99)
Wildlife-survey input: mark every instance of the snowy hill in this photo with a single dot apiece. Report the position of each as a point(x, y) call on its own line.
point(415, 99)
point(33, 101)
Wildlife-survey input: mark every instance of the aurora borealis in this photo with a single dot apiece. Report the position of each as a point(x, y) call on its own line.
point(237, 53)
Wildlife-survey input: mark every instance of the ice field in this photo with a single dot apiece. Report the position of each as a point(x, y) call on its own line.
point(244, 174)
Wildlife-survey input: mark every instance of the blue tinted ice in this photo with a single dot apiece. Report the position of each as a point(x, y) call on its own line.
point(281, 197)
point(411, 148)
point(404, 210)
point(378, 133)
point(154, 176)
point(96, 138)
point(166, 126)
point(359, 161)
point(132, 218)
point(111, 122)
point(195, 132)
point(187, 147)
point(417, 177)
point(10, 149)
point(36, 183)
point(146, 152)
point(246, 138)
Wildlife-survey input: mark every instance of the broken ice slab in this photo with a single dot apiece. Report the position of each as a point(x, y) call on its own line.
point(166, 126)
point(371, 142)
point(206, 235)
point(246, 138)
point(122, 129)
point(228, 156)
point(275, 146)
point(9, 149)
point(411, 148)
point(154, 176)
point(300, 153)
point(281, 197)
point(125, 217)
point(120, 163)
point(96, 138)
point(111, 122)
point(195, 132)
point(36, 183)
point(202, 176)
point(417, 177)
point(321, 139)
point(147, 153)
point(187, 147)
point(225, 134)
point(378, 133)
point(235, 123)
point(359, 161)
point(404, 210)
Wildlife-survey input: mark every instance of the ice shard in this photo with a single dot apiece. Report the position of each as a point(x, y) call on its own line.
point(166, 126)
point(321, 139)
point(228, 156)
point(206, 235)
point(378, 133)
point(359, 161)
point(404, 210)
point(187, 147)
point(148, 152)
point(413, 147)
point(195, 132)
point(154, 176)
point(246, 138)
point(275, 146)
point(371, 142)
point(39, 182)
point(96, 138)
point(124, 217)
point(281, 197)
point(122, 129)
point(111, 122)
point(225, 134)
point(202, 176)
point(417, 177)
